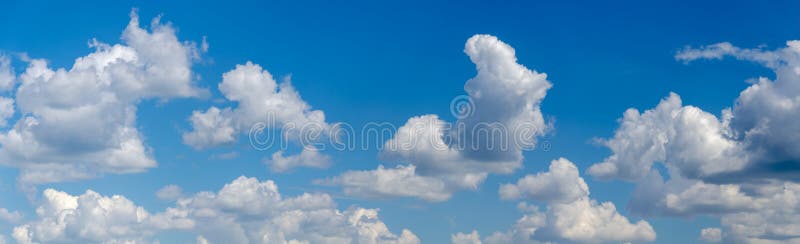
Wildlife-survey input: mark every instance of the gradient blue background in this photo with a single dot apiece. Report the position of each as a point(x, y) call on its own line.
point(373, 61)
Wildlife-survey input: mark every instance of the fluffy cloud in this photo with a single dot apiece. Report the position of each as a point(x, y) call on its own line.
point(571, 216)
point(462, 238)
point(712, 235)
point(390, 182)
point(244, 211)
point(7, 76)
point(309, 157)
point(169, 192)
point(10, 216)
point(81, 122)
point(757, 138)
point(500, 118)
point(91, 217)
point(741, 166)
point(561, 184)
point(260, 101)
point(262, 105)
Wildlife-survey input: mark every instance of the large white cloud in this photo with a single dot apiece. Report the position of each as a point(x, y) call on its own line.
point(571, 216)
point(91, 217)
point(757, 138)
point(263, 106)
point(741, 166)
point(243, 211)
point(500, 118)
point(81, 122)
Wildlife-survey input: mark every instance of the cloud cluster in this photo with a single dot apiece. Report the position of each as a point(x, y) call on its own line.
point(741, 166)
point(571, 216)
point(436, 158)
point(80, 122)
point(262, 104)
point(245, 210)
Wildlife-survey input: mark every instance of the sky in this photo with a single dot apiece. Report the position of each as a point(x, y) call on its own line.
point(647, 122)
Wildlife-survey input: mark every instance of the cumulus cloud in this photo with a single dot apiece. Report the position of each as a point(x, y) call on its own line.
point(91, 217)
point(500, 118)
point(712, 235)
point(7, 75)
point(391, 182)
point(463, 238)
point(260, 101)
point(571, 216)
point(169, 192)
point(309, 157)
point(757, 138)
point(245, 210)
point(80, 122)
point(740, 166)
point(10, 216)
point(263, 106)
point(561, 183)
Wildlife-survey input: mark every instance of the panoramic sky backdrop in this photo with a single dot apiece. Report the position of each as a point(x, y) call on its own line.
point(400, 122)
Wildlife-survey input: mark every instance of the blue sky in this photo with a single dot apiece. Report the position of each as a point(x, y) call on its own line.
point(370, 61)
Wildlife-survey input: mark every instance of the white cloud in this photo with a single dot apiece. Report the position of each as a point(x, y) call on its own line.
point(10, 216)
point(260, 100)
point(169, 192)
point(712, 235)
point(757, 138)
point(243, 211)
point(7, 75)
point(571, 216)
point(562, 184)
point(6, 110)
point(212, 127)
point(80, 122)
point(500, 118)
point(462, 238)
point(91, 217)
point(389, 182)
point(309, 157)
point(741, 166)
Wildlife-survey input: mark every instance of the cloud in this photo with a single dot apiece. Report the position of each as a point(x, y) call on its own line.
point(6, 110)
point(712, 235)
point(756, 139)
point(561, 184)
point(10, 216)
point(212, 127)
point(741, 166)
point(91, 217)
point(391, 182)
point(309, 157)
point(260, 101)
point(169, 192)
point(7, 75)
point(499, 118)
point(571, 216)
point(245, 210)
point(462, 238)
point(80, 122)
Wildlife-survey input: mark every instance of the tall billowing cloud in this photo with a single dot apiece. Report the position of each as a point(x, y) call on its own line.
point(81, 122)
point(741, 166)
point(499, 118)
point(245, 210)
point(571, 216)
